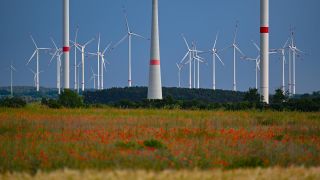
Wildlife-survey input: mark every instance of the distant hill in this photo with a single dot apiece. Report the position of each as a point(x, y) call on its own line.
point(140, 93)
point(113, 95)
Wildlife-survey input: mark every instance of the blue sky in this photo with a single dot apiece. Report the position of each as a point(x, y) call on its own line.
point(199, 20)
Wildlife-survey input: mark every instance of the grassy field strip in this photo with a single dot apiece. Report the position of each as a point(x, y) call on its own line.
point(258, 173)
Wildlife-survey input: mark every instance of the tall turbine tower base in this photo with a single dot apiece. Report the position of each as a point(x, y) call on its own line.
point(155, 88)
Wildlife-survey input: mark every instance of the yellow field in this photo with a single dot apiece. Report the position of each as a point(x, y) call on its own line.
point(245, 174)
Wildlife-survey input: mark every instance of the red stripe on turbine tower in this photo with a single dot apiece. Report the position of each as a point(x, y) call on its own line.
point(264, 29)
point(155, 62)
point(66, 49)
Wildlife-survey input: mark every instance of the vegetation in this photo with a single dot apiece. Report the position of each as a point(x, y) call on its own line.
point(37, 138)
point(13, 102)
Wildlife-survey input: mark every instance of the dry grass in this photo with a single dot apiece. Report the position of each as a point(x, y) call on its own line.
point(258, 173)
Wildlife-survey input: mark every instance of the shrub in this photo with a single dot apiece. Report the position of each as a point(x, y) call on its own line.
point(13, 102)
point(52, 103)
point(70, 99)
point(246, 162)
point(127, 145)
point(154, 144)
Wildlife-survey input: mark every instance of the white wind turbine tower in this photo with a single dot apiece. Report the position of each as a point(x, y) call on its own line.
point(235, 48)
point(58, 53)
point(214, 51)
point(82, 48)
point(36, 53)
point(12, 68)
point(78, 87)
point(179, 66)
point(129, 36)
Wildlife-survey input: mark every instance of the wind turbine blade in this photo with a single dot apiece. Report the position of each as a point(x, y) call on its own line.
point(55, 45)
point(34, 42)
point(78, 48)
point(12, 67)
point(239, 50)
point(235, 33)
point(185, 41)
point(105, 49)
point(219, 59)
point(99, 44)
point(104, 63)
point(55, 53)
point(185, 56)
point(32, 71)
point(90, 41)
point(138, 35)
point(255, 45)
point(76, 36)
point(215, 42)
point(225, 49)
point(119, 42)
point(93, 54)
point(286, 44)
point(32, 56)
point(126, 19)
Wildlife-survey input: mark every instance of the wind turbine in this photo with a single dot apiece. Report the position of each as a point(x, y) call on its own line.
point(75, 59)
point(214, 51)
point(179, 66)
point(192, 54)
point(34, 76)
point(93, 77)
point(58, 53)
point(189, 53)
point(295, 51)
point(12, 68)
point(257, 59)
point(282, 52)
point(198, 59)
point(98, 54)
point(103, 65)
point(81, 48)
point(235, 48)
point(129, 36)
point(36, 53)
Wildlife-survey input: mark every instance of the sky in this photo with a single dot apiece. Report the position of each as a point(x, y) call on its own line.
point(198, 20)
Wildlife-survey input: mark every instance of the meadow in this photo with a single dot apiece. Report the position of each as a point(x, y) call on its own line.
point(36, 138)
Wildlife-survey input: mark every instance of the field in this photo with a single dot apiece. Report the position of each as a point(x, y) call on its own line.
point(36, 139)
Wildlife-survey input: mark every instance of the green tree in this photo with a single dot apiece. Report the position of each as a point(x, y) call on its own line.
point(70, 99)
point(279, 96)
point(252, 96)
